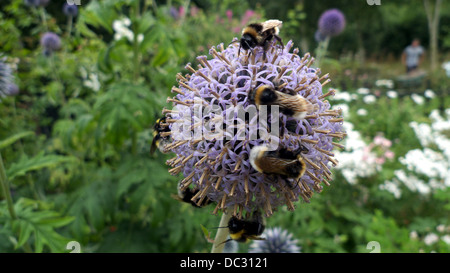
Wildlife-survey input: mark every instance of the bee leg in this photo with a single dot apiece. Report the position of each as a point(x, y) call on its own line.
point(279, 40)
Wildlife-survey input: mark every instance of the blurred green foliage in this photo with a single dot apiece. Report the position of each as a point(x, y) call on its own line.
point(75, 142)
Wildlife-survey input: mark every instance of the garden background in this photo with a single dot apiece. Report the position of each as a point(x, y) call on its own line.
point(75, 133)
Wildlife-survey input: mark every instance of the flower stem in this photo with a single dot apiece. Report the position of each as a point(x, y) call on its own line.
point(43, 18)
point(221, 234)
point(5, 187)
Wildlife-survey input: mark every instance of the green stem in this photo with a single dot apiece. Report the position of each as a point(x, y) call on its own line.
point(137, 65)
point(221, 234)
point(69, 26)
point(56, 74)
point(322, 51)
point(6, 191)
point(43, 18)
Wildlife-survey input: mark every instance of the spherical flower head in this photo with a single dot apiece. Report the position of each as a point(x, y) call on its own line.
point(277, 240)
point(331, 22)
point(70, 10)
point(213, 140)
point(50, 42)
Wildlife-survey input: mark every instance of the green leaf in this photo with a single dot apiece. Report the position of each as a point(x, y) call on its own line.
point(10, 140)
point(37, 162)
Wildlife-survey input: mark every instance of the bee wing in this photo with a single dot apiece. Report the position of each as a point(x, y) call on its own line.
point(274, 165)
point(271, 24)
point(297, 103)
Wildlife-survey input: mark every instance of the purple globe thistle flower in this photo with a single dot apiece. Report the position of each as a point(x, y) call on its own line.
point(50, 42)
point(70, 10)
point(331, 22)
point(218, 165)
point(277, 240)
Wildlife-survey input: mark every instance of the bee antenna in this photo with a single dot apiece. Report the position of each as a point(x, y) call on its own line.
point(233, 42)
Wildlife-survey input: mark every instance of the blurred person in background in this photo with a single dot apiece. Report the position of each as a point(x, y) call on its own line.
point(413, 56)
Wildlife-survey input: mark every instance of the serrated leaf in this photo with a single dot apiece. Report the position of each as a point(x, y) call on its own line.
point(37, 162)
point(10, 140)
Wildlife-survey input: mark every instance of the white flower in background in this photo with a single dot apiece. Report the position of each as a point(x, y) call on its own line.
point(363, 91)
point(417, 99)
point(413, 235)
point(392, 94)
point(429, 94)
point(343, 95)
point(369, 99)
point(121, 30)
point(446, 239)
point(355, 161)
point(431, 239)
point(90, 80)
point(446, 66)
point(384, 83)
point(440, 228)
point(392, 187)
point(362, 112)
point(434, 164)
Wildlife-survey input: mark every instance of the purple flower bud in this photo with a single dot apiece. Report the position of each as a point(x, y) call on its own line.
point(212, 141)
point(70, 10)
point(331, 22)
point(276, 240)
point(50, 42)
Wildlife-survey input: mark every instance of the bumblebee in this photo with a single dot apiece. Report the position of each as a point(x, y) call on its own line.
point(288, 164)
point(243, 231)
point(291, 105)
point(159, 141)
point(186, 196)
point(260, 34)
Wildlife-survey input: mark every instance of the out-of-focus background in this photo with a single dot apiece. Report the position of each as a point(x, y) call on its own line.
point(78, 106)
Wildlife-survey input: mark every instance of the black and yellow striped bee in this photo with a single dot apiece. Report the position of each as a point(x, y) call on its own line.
point(260, 34)
point(159, 139)
point(186, 196)
point(288, 164)
point(243, 231)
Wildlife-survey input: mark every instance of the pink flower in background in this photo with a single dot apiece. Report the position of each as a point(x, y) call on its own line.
point(389, 154)
point(378, 140)
point(181, 11)
point(229, 14)
point(248, 14)
point(380, 160)
point(387, 143)
point(194, 11)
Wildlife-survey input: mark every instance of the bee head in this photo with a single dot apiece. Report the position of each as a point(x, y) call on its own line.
point(247, 41)
point(264, 95)
point(235, 225)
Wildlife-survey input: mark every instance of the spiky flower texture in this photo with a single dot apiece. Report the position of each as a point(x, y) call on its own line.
point(219, 167)
point(277, 240)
